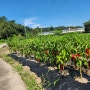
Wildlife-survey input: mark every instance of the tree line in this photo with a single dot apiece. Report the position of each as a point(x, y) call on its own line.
point(8, 28)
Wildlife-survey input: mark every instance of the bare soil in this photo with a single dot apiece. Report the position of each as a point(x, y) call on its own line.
point(81, 80)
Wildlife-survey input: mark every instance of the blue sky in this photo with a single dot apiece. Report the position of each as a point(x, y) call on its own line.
point(45, 13)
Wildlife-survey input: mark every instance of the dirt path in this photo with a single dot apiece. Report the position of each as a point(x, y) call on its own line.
point(3, 45)
point(4, 49)
point(9, 80)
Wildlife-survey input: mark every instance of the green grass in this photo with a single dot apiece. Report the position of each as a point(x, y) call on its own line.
point(28, 78)
point(2, 41)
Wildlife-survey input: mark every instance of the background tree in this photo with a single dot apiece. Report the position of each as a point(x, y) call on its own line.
point(10, 28)
point(57, 32)
point(87, 26)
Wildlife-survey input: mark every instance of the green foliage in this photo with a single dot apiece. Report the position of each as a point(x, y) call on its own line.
point(10, 28)
point(58, 32)
point(87, 26)
point(54, 50)
point(2, 41)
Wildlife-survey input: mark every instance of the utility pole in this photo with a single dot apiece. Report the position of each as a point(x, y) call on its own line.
point(25, 32)
point(41, 30)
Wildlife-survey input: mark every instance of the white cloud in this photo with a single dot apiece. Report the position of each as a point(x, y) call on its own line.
point(36, 25)
point(31, 22)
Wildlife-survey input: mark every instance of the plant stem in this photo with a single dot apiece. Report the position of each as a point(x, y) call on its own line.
point(80, 72)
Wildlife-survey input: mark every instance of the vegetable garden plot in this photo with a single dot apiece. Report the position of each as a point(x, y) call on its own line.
point(70, 50)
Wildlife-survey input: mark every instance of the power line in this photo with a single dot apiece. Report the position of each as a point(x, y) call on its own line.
point(59, 8)
point(52, 6)
point(54, 9)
